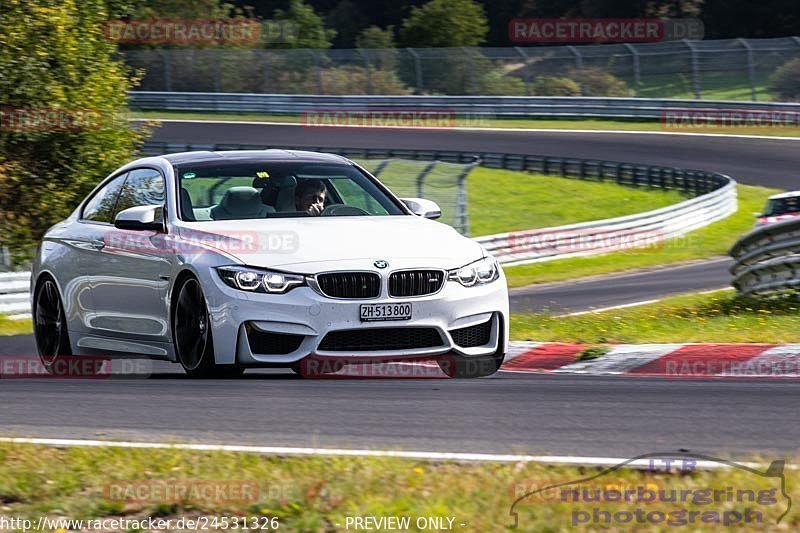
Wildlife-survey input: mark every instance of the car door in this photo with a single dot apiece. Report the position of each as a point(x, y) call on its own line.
point(84, 239)
point(130, 275)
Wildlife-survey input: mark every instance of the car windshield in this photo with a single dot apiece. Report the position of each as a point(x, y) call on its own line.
point(270, 189)
point(782, 206)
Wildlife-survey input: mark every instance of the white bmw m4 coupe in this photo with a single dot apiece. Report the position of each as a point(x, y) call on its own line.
point(223, 261)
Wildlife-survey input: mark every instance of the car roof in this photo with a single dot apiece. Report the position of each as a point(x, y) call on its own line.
point(788, 194)
point(245, 156)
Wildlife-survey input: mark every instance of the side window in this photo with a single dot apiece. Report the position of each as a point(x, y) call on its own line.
point(144, 186)
point(100, 208)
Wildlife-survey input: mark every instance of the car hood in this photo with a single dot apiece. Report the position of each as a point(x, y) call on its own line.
point(309, 245)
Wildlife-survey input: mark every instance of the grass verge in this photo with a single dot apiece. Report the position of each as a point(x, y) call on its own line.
point(715, 317)
point(506, 200)
point(313, 494)
point(510, 123)
point(711, 241)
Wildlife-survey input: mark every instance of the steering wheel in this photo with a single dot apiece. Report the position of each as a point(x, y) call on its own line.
point(334, 210)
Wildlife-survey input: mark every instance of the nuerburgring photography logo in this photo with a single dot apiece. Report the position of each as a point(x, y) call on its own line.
point(745, 501)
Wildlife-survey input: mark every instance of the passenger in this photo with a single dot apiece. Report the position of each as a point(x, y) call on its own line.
point(309, 196)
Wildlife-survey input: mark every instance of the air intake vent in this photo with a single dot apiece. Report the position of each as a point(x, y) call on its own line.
point(355, 285)
point(415, 282)
point(271, 343)
point(375, 339)
point(473, 336)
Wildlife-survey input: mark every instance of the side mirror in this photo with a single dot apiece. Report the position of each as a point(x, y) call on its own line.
point(422, 207)
point(141, 218)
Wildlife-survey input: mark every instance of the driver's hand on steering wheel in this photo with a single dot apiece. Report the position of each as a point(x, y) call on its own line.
point(315, 209)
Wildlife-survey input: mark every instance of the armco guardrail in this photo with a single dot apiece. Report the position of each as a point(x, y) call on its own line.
point(768, 259)
point(466, 106)
point(648, 229)
point(14, 293)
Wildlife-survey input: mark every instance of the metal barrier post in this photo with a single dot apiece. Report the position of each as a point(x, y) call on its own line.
point(461, 221)
point(527, 77)
point(751, 74)
point(217, 74)
point(367, 67)
point(578, 65)
point(637, 70)
point(381, 167)
point(317, 70)
point(417, 69)
point(165, 59)
point(470, 71)
point(421, 178)
point(695, 70)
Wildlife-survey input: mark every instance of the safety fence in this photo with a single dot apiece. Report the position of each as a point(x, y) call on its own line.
point(768, 259)
point(738, 69)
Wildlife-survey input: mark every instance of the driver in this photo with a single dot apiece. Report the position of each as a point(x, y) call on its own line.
point(309, 196)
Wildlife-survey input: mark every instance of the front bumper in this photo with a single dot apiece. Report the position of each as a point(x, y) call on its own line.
point(304, 312)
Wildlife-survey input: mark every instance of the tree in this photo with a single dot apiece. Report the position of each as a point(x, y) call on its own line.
point(378, 47)
point(63, 126)
point(181, 10)
point(375, 37)
point(348, 20)
point(784, 85)
point(310, 28)
point(444, 23)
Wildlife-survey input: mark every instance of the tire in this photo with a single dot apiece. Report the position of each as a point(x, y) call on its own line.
point(50, 324)
point(192, 337)
point(460, 367)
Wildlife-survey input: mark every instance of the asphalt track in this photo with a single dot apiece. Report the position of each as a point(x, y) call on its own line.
point(621, 289)
point(516, 413)
point(506, 413)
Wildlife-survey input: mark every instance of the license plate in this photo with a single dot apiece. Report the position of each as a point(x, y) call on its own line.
point(379, 312)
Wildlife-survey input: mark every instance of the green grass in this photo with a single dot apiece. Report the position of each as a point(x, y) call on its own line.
point(711, 241)
point(314, 494)
point(582, 124)
point(714, 86)
point(715, 317)
point(505, 200)
point(14, 327)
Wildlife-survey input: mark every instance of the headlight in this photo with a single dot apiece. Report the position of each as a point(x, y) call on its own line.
point(259, 280)
point(480, 272)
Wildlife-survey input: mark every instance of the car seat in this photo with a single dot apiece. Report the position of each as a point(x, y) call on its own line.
point(240, 203)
